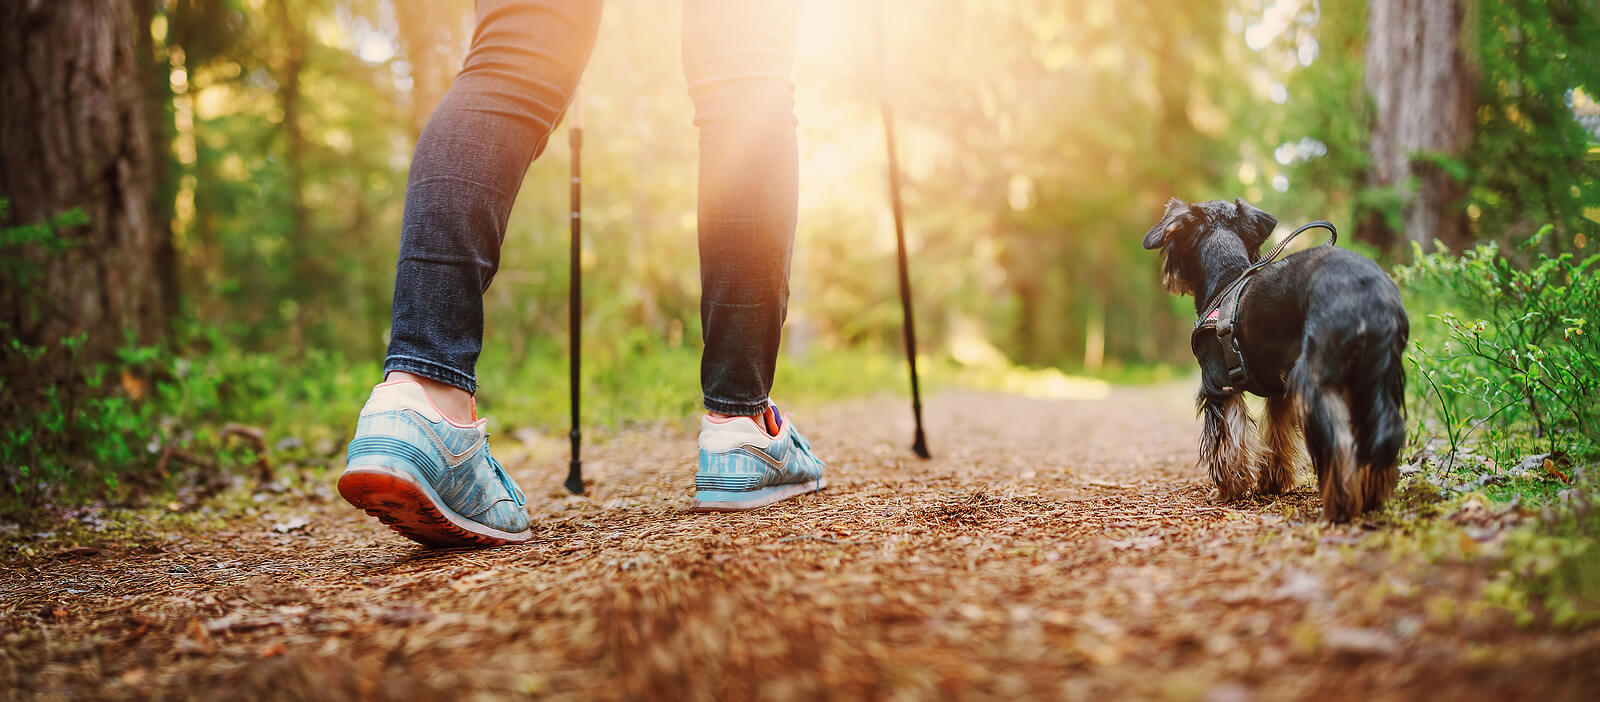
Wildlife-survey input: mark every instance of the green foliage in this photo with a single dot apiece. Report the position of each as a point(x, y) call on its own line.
point(16, 242)
point(1555, 562)
point(1513, 349)
point(78, 432)
point(55, 423)
point(1056, 130)
point(1011, 234)
point(107, 438)
point(1507, 365)
point(1529, 160)
point(22, 247)
point(1318, 138)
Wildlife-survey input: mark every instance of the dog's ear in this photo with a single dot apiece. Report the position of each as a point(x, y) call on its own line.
point(1176, 221)
point(1254, 225)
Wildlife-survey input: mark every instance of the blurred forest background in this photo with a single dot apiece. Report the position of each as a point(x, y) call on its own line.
point(203, 196)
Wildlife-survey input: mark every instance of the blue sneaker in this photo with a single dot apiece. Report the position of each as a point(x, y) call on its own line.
point(428, 478)
point(750, 462)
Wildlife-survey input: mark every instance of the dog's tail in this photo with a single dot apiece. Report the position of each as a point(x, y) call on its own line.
point(1351, 387)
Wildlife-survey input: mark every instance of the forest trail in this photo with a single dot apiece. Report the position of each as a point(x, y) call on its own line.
point(1051, 549)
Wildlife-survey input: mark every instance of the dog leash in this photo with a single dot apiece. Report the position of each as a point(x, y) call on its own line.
point(1221, 316)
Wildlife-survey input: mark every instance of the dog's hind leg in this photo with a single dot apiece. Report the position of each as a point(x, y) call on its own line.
point(1329, 439)
point(1377, 483)
point(1330, 442)
point(1380, 435)
point(1281, 434)
point(1228, 445)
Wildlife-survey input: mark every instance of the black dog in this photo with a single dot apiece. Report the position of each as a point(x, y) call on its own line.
point(1320, 334)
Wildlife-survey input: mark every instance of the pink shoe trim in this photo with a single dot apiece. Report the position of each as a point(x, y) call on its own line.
point(475, 421)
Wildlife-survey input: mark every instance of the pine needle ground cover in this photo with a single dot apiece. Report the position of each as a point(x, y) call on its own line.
point(1052, 548)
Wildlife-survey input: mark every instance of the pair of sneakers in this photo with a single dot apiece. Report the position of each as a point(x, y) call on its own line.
point(436, 482)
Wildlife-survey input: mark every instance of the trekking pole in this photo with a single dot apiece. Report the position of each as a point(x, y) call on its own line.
point(575, 294)
point(919, 444)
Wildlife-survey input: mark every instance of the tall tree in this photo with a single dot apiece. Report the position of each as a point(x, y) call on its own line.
point(73, 135)
point(1424, 90)
point(430, 32)
point(307, 264)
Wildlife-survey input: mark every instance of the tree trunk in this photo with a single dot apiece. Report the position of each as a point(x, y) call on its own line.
point(156, 76)
point(73, 135)
point(308, 268)
point(429, 36)
point(1424, 90)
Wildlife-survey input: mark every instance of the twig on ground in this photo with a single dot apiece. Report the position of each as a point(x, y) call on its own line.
point(256, 437)
point(814, 537)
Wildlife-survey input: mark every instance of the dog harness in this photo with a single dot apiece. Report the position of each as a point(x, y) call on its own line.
point(1221, 317)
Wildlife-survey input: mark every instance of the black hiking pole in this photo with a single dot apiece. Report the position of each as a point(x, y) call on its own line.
point(920, 443)
point(575, 294)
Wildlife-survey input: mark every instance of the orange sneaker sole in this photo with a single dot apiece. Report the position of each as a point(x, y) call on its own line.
point(404, 505)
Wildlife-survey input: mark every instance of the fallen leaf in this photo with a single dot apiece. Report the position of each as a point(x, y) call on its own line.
point(292, 524)
point(195, 641)
point(1359, 642)
point(404, 615)
point(133, 385)
point(1550, 467)
point(1303, 586)
point(1096, 650)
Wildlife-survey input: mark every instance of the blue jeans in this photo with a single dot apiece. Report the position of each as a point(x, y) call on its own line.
point(516, 82)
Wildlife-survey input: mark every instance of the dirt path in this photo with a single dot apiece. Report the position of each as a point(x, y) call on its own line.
point(1051, 549)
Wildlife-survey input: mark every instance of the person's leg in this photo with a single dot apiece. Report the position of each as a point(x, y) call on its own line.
point(520, 73)
point(737, 58)
point(419, 460)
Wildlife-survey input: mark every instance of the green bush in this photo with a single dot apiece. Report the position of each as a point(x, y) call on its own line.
point(1507, 365)
point(87, 433)
point(1511, 348)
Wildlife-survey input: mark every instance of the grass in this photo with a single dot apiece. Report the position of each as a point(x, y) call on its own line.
point(638, 381)
point(166, 413)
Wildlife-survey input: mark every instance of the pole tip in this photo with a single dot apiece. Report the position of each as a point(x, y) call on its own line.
point(575, 478)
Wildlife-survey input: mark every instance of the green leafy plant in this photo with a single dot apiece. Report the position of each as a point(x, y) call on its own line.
point(1506, 364)
point(1516, 350)
point(1555, 562)
point(46, 237)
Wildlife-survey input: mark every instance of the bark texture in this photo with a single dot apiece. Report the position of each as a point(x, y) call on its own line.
point(1424, 90)
point(73, 134)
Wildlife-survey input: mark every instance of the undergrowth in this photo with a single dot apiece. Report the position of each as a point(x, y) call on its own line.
point(1503, 401)
point(154, 416)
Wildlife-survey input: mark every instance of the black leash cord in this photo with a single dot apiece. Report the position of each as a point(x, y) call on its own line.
point(1216, 302)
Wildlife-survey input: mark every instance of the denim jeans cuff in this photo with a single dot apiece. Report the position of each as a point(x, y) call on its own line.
point(736, 409)
point(431, 370)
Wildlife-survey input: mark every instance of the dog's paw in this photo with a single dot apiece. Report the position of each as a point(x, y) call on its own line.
point(1222, 496)
point(1275, 478)
point(1233, 481)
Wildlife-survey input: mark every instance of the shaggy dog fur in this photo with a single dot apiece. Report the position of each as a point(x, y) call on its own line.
point(1321, 332)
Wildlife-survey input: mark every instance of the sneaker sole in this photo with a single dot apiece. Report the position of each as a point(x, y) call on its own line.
point(759, 498)
point(408, 507)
